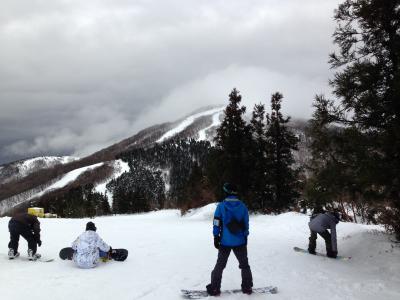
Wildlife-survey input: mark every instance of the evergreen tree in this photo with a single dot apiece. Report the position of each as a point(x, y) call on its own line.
point(139, 190)
point(232, 143)
point(340, 166)
point(260, 188)
point(280, 144)
point(367, 84)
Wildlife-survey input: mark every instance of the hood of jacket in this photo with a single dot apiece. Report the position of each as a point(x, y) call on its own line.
point(233, 207)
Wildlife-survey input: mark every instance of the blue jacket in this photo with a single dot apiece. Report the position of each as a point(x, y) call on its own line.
point(226, 210)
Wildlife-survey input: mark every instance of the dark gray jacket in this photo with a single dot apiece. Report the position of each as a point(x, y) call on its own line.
point(325, 221)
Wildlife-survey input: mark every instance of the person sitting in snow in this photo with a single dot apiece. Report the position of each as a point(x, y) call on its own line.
point(230, 230)
point(320, 224)
point(27, 226)
point(89, 248)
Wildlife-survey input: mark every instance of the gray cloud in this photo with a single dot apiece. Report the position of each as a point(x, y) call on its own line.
point(76, 76)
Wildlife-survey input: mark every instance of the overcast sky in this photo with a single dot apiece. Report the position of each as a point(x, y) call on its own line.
point(77, 76)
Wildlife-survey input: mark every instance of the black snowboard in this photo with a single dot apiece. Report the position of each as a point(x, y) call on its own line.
point(66, 253)
point(116, 254)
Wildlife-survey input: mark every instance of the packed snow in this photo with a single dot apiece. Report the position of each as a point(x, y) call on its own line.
point(168, 252)
point(187, 122)
point(215, 122)
point(68, 178)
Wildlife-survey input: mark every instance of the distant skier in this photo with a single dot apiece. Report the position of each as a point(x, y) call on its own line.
point(230, 230)
point(27, 226)
point(320, 224)
point(89, 248)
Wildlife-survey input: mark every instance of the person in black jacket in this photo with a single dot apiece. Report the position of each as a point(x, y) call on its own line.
point(27, 226)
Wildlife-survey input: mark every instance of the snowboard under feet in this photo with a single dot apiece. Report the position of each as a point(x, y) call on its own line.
point(297, 249)
point(116, 254)
point(41, 259)
point(198, 294)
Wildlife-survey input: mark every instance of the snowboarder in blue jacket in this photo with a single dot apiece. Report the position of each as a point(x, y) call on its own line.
point(230, 230)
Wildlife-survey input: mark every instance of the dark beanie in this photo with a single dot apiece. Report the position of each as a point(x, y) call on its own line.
point(90, 226)
point(230, 188)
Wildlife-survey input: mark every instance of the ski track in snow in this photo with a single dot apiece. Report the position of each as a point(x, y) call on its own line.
point(186, 122)
point(215, 123)
point(168, 253)
point(67, 178)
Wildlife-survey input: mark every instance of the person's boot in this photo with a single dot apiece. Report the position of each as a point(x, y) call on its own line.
point(331, 254)
point(213, 291)
point(311, 251)
point(12, 254)
point(32, 256)
point(247, 291)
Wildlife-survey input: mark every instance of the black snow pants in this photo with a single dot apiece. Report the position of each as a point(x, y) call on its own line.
point(16, 229)
point(313, 241)
point(223, 255)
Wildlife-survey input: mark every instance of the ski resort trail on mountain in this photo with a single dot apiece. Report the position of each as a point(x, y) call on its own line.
point(186, 122)
point(168, 253)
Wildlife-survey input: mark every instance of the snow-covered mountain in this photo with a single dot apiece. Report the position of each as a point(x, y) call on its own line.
point(19, 183)
point(25, 181)
point(202, 133)
point(22, 168)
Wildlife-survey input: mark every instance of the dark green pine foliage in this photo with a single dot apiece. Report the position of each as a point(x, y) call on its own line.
point(77, 202)
point(280, 144)
point(183, 163)
point(197, 190)
point(260, 173)
point(367, 84)
point(324, 163)
point(340, 165)
point(140, 190)
point(368, 81)
point(231, 158)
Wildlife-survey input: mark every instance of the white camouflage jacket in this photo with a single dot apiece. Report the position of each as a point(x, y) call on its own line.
point(87, 247)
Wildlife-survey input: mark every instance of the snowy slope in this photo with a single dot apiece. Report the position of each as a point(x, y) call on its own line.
point(215, 123)
point(7, 204)
point(169, 252)
point(196, 125)
point(22, 168)
point(67, 178)
point(28, 165)
point(188, 121)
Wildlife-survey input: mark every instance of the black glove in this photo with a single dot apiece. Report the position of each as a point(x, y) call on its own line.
point(39, 243)
point(332, 254)
point(217, 241)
